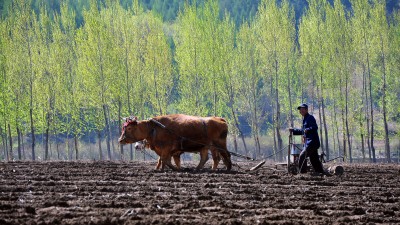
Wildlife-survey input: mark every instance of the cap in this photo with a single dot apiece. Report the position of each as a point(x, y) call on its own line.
point(303, 105)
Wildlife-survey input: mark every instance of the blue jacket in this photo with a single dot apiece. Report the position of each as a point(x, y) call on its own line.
point(311, 137)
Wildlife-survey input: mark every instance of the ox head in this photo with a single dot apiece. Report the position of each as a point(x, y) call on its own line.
point(130, 132)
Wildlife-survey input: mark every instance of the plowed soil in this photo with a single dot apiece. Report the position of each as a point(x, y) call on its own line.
point(135, 193)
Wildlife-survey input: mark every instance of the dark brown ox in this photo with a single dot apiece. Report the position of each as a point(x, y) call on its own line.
point(170, 135)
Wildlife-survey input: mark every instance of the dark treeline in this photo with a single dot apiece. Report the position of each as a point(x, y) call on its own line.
point(70, 69)
point(239, 10)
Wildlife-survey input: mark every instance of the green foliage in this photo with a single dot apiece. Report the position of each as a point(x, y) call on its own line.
point(75, 62)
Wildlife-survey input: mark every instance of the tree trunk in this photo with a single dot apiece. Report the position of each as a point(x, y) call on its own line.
point(23, 146)
point(76, 147)
point(398, 153)
point(290, 94)
point(127, 81)
point(107, 132)
point(325, 147)
point(69, 157)
point(110, 133)
point(255, 144)
point(345, 155)
point(371, 113)
point(31, 95)
point(99, 141)
point(3, 142)
point(325, 130)
point(387, 144)
point(337, 129)
point(46, 151)
point(362, 146)
point(347, 123)
point(32, 134)
point(366, 116)
point(235, 143)
point(275, 145)
point(19, 143)
point(58, 150)
point(215, 94)
point(320, 119)
point(258, 142)
point(254, 122)
point(361, 122)
point(11, 157)
point(238, 128)
point(273, 116)
point(121, 147)
point(333, 136)
point(278, 112)
point(6, 155)
point(371, 108)
point(131, 148)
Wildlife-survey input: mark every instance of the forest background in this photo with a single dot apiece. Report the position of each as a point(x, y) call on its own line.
point(70, 69)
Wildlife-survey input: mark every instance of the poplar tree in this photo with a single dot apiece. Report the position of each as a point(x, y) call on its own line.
point(95, 64)
point(189, 52)
point(251, 82)
point(363, 36)
point(24, 51)
point(69, 98)
point(381, 28)
point(276, 35)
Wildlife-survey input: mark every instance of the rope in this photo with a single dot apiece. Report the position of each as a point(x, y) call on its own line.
point(146, 153)
point(273, 154)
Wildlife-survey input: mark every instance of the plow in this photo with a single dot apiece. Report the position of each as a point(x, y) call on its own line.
point(292, 164)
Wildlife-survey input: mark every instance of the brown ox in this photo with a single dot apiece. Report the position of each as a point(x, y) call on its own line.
point(171, 135)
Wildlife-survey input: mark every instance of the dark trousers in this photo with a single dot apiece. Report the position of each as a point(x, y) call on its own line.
point(312, 153)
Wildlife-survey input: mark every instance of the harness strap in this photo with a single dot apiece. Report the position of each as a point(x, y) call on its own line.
point(205, 127)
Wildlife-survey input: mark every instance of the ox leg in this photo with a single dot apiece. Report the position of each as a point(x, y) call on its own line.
point(223, 151)
point(166, 160)
point(159, 163)
point(177, 160)
point(203, 158)
point(216, 158)
point(226, 158)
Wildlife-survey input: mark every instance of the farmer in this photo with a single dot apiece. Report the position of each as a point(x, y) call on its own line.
point(310, 140)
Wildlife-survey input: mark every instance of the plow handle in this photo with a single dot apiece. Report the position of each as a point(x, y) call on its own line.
point(289, 148)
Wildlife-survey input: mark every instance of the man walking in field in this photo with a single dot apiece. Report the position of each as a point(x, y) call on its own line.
point(310, 140)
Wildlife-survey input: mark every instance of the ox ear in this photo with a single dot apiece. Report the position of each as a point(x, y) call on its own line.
point(123, 118)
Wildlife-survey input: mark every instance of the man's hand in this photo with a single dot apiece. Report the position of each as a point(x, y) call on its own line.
point(305, 131)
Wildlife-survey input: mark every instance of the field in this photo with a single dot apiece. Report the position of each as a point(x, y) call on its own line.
point(134, 193)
